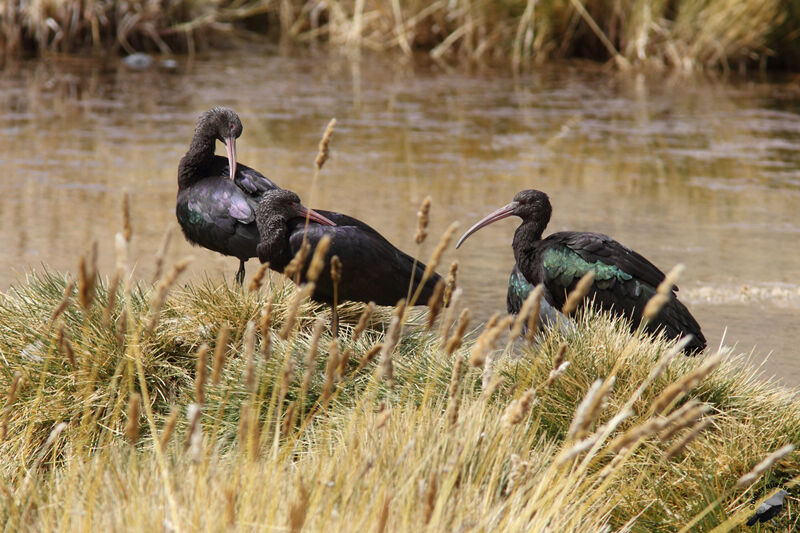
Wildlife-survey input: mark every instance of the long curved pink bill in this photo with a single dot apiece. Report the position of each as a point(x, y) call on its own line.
point(504, 212)
point(316, 217)
point(230, 147)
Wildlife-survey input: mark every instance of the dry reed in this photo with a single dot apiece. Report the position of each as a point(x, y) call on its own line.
point(258, 278)
point(576, 296)
point(169, 428)
point(64, 303)
point(436, 256)
point(132, 426)
point(161, 254)
point(220, 348)
point(324, 149)
point(454, 342)
point(318, 258)
point(450, 282)
point(366, 314)
point(764, 465)
point(691, 435)
point(435, 304)
point(201, 374)
point(249, 356)
point(423, 218)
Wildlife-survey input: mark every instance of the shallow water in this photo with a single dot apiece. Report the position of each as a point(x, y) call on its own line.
point(682, 170)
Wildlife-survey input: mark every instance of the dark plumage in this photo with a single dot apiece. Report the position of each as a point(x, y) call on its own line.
point(769, 509)
point(217, 197)
point(624, 280)
point(372, 268)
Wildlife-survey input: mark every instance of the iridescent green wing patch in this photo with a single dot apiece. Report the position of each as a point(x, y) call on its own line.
point(518, 291)
point(564, 266)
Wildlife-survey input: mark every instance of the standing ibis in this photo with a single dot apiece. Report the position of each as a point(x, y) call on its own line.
point(217, 197)
point(624, 280)
point(372, 268)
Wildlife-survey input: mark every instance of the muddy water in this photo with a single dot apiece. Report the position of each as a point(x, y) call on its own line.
point(699, 172)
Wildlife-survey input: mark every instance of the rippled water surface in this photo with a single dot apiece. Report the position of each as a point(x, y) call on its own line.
point(682, 170)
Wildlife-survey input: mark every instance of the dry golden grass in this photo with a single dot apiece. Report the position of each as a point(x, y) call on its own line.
point(276, 444)
point(684, 34)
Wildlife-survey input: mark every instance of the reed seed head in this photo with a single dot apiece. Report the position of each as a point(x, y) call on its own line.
point(65, 346)
point(369, 355)
point(318, 259)
point(687, 415)
point(577, 295)
point(344, 361)
point(288, 419)
point(451, 282)
point(161, 254)
point(112, 299)
point(435, 304)
point(330, 371)
point(258, 278)
point(556, 373)
point(300, 293)
point(436, 256)
point(422, 220)
point(11, 396)
point(220, 348)
point(249, 356)
point(453, 396)
point(765, 465)
point(454, 342)
point(383, 416)
point(383, 518)
point(286, 380)
point(201, 374)
point(121, 251)
point(525, 311)
point(336, 270)
point(686, 383)
point(533, 315)
point(430, 497)
point(579, 421)
point(64, 303)
point(515, 412)
point(169, 428)
point(299, 508)
point(127, 229)
point(132, 426)
point(87, 270)
point(157, 301)
point(385, 365)
point(366, 314)
point(265, 324)
point(487, 339)
point(324, 149)
point(194, 435)
point(295, 266)
point(692, 434)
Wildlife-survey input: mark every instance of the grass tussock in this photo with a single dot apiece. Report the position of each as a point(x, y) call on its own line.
point(210, 418)
point(681, 34)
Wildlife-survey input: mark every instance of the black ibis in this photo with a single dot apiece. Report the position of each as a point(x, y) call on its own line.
point(624, 280)
point(217, 197)
point(372, 268)
point(769, 509)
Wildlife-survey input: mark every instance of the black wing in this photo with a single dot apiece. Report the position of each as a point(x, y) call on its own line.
point(372, 268)
point(624, 281)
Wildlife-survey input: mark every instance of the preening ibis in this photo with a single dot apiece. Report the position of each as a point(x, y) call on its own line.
point(372, 268)
point(217, 197)
point(624, 280)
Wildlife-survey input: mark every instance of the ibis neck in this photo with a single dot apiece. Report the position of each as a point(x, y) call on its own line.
point(197, 158)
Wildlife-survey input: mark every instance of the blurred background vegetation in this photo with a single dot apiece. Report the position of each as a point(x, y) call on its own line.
point(673, 34)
